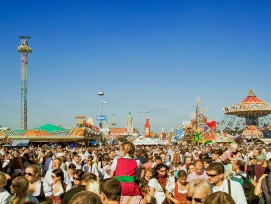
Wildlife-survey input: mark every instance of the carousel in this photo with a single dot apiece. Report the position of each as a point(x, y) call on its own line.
point(250, 116)
point(200, 130)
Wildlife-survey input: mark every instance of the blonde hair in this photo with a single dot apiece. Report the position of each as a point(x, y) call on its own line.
point(22, 182)
point(3, 180)
point(85, 197)
point(128, 148)
point(93, 186)
point(233, 145)
point(219, 197)
point(199, 183)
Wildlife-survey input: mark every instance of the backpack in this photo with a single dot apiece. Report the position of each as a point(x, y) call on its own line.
point(249, 190)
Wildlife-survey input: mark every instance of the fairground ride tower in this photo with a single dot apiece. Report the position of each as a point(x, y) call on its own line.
point(24, 49)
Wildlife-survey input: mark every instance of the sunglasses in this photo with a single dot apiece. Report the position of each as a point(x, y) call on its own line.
point(14, 185)
point(212, 175)
point(29, 174)
point(198, 200)
point(77, 179)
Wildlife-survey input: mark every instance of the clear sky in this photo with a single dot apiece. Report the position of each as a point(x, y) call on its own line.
point(145, 55)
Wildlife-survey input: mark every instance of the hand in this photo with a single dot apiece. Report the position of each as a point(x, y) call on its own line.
point(262, 177)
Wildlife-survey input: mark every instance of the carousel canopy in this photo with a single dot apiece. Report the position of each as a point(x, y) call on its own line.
point(250, 106)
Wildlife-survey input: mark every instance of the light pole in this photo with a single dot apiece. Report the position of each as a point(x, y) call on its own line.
point(101, 94)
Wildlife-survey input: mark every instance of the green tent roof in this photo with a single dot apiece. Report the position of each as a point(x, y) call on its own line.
point(51, 128)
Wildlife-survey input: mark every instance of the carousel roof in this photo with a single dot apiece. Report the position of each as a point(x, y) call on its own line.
point(250, 106)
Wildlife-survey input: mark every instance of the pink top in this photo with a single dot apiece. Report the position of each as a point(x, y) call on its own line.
point(194, 175)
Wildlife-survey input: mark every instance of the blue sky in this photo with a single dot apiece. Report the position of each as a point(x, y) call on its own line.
point(145, 55)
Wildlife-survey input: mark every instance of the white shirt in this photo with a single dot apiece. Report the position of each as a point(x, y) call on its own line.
point(268, 155)
point(48, 181)
point(37, 189)
point(4, 196)
point(237, 192)
point(159, 194)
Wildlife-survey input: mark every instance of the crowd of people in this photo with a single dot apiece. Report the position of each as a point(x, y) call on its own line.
point(228, 173)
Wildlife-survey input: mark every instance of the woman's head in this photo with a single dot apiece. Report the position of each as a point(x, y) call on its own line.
point(71, 168)
point(161, 170)
point(198, 190)
point(148, 174)
point(77, 176)
point(57, 175)
point(219, 197)
point(32, 172)
point(127, 148)
point(182, 176)
point(18, 184)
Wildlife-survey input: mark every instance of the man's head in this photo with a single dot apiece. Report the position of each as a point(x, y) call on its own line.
point(188, 160)
point(77, 159)
point(215, 172)
point(157, 160)
point(110, 190)
point(163, 156)
point(190, 168)
point(206, 162)
point(256, 152)
point(199, 167)
point(215, 154)
point(238, 165)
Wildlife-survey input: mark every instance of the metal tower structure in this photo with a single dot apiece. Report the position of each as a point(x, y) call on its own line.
point(24, 49)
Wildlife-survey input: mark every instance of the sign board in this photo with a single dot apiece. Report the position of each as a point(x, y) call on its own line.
point(100, 117)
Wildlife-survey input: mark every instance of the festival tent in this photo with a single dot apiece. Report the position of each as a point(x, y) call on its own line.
point(50, 128)
point(148, 141)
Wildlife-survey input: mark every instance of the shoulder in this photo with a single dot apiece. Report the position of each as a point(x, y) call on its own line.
point(152, 182)
point(191, 174)
point(236, 184)
point(4, 193)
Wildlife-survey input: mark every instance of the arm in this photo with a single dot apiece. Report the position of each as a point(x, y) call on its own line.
point(142, 171)
point(171, 198)
point(258, 187)
point(112, 173)
point(47, 184)
point(113, 168)
point(67, 181)
point(151, 192)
